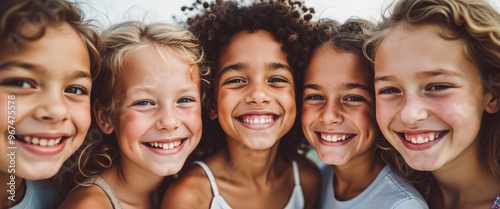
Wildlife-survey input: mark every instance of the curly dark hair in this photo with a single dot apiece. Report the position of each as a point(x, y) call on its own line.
point(287, 21)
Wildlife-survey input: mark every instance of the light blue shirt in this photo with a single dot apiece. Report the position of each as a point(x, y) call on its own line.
point(38, 196)
point(387, 191)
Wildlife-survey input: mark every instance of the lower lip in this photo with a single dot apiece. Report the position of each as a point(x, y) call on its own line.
point(166, 151)
point(43, 151)
point(257, 126)
point(420, 147)
point(334, 144)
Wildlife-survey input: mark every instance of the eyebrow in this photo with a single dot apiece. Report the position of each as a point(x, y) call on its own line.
point(241, 66)
point(432, 73)
point(424, 74)
point(39, 69)
point(348, 86)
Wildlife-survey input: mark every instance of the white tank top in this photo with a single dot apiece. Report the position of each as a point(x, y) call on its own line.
point(296, 201)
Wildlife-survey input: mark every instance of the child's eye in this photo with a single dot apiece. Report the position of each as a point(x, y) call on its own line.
point(185, 100)
point(355, 99)
point(78, 90)
point(437, 87)
point(142, 103)
point(314, 97)
point(21, 83)
point(277, 80)
point(389, 90)
point(235, 80)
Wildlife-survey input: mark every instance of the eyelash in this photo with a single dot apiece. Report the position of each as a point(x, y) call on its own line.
point(20, 83)
point(314, 97)
point(186, 100)
point(142, 103)
point(235, 80)
point(83, 90)
point(275, 80)
point(437, 87)
point(355, 99)
point(389, 90)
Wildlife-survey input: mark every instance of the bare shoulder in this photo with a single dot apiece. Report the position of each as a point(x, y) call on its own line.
point(310, 178)
point(191, 190)
point(87, 197)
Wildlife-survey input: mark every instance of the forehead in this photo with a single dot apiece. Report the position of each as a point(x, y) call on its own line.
point(331, 66)
point(407, 47)
point(155, 66)
point(259, 46)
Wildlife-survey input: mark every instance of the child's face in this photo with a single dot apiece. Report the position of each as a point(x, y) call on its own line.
point(51, 81)
point(157, 113)
point(429, 97)
point(338, 116)
point(255, 90)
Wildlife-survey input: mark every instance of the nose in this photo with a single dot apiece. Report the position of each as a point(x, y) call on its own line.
point(168, 119)
point(331, 113)
point(52, 108)
point(413, 110)
point(258, 94)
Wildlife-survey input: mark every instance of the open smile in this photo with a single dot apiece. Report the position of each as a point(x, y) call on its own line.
point(42, 141)
point(165, 145)
point(421, 140)
point(334, 139)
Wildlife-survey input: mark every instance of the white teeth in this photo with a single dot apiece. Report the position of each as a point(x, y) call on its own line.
point(34, 141)
point(258, 121)
point(420, 140)
point(164, 145)
point(43, 142)
point(333, 138)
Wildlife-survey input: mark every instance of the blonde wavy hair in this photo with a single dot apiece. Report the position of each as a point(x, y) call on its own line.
point(476, 23)
point(119, 42)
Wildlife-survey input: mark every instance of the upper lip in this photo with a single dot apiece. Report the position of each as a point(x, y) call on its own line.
point(334, 133)
point(257, 113)
point(417, 131)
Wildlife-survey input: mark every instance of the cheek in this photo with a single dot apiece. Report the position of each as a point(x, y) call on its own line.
point(384, 113)
point(309, 115)
point(81, 117)
point(130, 124)
point(192, 120)
point(365, 118)
point(457, 111)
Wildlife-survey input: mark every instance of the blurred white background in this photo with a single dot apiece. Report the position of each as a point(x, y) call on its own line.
point(107, 12)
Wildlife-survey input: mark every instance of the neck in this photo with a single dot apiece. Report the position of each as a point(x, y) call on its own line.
point(465, 182)
point(13, 190)
point(254, 165)
point(136, 186)
point(355, 176)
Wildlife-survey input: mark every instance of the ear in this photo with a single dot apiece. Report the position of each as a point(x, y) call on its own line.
point(212, 111)
point(103, 121)
point(493, 105)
